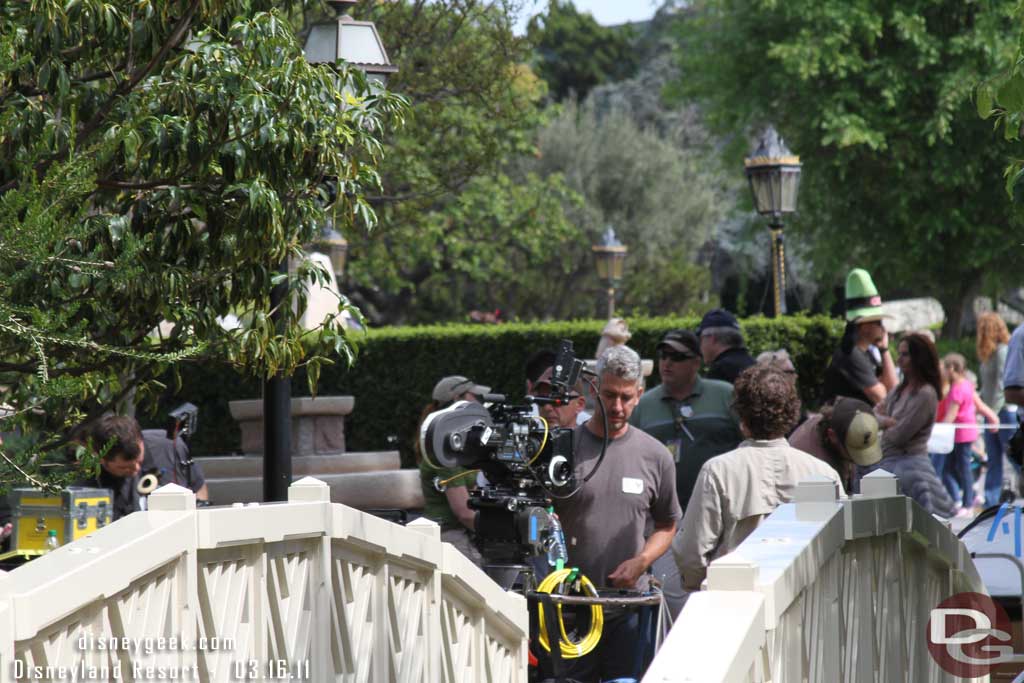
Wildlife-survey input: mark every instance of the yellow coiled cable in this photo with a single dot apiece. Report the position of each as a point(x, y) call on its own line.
point(568, 648)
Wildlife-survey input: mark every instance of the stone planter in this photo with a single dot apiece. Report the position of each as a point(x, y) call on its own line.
point(318, 424)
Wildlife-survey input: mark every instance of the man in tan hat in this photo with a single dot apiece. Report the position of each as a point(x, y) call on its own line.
point(843, 434)
point(854, 371)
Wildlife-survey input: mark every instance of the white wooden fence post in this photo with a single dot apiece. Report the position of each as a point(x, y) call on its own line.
point(175, 499)
point(432, 530)
point(310, 490)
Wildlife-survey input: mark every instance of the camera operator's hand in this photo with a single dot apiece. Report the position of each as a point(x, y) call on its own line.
point(627, 573)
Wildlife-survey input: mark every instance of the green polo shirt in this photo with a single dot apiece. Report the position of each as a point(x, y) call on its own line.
point(435, 503)
point(695, 429)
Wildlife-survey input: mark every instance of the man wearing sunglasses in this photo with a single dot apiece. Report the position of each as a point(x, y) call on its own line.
point(693, 417)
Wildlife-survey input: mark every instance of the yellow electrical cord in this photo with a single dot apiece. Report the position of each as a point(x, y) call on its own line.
point(543, 442)
point(568, 648)
point(460, 475)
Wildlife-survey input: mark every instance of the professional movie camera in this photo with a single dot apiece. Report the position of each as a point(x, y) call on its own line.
point(526, 463)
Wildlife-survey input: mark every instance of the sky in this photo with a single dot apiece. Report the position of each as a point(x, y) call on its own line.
point(606, 12)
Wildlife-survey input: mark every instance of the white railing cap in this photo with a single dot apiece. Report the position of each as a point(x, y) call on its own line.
point(309, 490)
point(425, 526)
point(171, 498)
point(816, 489)
point(879, 484)
point(733, 572)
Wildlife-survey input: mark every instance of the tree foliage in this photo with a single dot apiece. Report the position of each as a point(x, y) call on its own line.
point(576, 54)
point(899, 174)
point(662, 199)
point(1000, 97)
point(455, 218)
point(157, 162)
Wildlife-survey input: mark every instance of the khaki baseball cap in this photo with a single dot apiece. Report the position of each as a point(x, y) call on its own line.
point(453, 386)
point(855, 424)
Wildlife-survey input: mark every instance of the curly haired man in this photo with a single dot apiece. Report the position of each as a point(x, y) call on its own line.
point(735, 491)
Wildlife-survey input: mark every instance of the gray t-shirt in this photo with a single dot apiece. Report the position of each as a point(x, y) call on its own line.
point(604, 522)
point(992, 379)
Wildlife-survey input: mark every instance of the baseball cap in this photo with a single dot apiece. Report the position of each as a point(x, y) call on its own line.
point(453, 386)
point(683, 341)
point(717, 317)
point(857, 429)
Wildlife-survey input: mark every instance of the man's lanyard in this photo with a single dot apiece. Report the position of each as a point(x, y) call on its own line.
point(682, 413)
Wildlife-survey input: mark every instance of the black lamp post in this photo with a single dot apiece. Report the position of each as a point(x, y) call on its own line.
point(609, 257)
point(358, 43)
point(774, 175)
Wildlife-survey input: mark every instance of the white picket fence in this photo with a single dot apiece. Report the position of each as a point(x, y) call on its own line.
point(823, 590)
point(310, 589)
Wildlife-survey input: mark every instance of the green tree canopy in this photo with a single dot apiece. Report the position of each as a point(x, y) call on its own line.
point(899, 175)
point(575, 53)
point(454, 217)
point(157, 162)
point(663, 199)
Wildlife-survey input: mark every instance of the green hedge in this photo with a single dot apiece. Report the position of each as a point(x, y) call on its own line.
point(397, 368)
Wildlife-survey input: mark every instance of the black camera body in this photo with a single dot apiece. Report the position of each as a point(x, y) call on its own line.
point(526, 463)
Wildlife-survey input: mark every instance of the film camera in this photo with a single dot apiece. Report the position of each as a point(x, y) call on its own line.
point(526, 464)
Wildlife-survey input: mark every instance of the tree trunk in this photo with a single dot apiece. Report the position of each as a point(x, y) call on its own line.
point(959, 308)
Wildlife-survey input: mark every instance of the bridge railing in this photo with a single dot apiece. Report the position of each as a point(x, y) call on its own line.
point(307, 590)
point(823, 590)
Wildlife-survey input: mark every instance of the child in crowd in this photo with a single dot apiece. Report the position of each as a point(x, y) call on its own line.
point(960, 404)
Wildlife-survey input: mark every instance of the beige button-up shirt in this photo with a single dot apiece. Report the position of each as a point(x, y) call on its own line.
point(733, 493)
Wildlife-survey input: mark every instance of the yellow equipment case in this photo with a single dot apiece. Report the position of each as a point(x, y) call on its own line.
point(77, 512)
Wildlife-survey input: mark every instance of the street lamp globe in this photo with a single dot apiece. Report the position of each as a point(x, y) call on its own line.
point(332, 243)
point(774, 175)
point(355, 42)
point(609, 257)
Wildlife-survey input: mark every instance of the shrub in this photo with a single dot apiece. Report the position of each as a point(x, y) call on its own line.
point(397, 367)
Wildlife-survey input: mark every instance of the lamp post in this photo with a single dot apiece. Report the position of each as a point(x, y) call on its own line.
point(358, 43)
point(609, 256)
point(774, 175)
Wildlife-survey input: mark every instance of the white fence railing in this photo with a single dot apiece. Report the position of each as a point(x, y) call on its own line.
point(306, 590)
point(823, 590)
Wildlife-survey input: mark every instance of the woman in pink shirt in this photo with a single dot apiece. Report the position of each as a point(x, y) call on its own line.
point(960, 405)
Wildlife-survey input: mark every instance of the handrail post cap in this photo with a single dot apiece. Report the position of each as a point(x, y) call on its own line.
point(425, 526)
point(879, 484)
point(816, 489)
point(733, 572)
point(309, 490)
point(171, 497)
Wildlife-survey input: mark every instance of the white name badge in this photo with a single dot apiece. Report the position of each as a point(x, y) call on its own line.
point(631, 485)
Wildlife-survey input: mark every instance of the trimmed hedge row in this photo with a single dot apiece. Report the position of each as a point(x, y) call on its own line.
point(398, 367)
